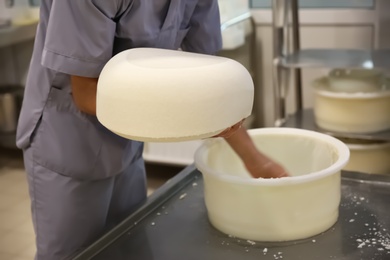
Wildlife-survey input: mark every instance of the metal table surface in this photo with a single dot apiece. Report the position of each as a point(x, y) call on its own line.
point(173, 224)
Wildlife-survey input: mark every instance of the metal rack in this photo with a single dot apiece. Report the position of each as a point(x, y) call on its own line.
point(10, 36)
point(286, 61)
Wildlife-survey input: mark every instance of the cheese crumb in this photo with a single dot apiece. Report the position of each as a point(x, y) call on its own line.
point(251, 242)
point(361, 245)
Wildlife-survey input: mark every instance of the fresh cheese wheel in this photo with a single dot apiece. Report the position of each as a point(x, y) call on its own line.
point(158, 95)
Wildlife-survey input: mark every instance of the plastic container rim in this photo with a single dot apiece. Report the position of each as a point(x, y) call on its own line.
point(319, 86)
point(341, 149)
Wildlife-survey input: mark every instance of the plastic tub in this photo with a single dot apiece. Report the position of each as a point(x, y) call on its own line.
point(360, 112)
point(284, 209)
point(368, 156)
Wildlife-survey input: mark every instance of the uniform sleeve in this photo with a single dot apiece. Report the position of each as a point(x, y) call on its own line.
point(80, 36)
point(204, 35)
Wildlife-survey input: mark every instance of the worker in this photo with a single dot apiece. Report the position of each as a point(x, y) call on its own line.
point(83, 178)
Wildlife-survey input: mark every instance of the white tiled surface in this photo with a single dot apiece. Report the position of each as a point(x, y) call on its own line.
point(16, 230)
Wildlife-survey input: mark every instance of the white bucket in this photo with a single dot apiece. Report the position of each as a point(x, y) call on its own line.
point(291, 208)
point(368, 156)
point(359, 112)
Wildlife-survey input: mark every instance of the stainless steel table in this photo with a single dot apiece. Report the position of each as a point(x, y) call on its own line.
point(173, 224)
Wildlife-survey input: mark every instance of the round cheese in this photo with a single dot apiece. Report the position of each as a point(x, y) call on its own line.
point(158, 95)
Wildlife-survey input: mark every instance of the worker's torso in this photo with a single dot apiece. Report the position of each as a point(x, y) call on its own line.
point(140, 23)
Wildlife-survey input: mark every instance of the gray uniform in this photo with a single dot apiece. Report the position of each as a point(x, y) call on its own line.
point(82, 178)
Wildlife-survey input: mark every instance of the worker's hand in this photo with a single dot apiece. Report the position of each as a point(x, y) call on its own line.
point(231, 130)
point(265, 167)
point(257, 163)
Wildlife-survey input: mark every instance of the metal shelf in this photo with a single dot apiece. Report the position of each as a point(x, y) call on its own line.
point(17, 34)
point(304, 119)
point(287, 60)
point(338, 58)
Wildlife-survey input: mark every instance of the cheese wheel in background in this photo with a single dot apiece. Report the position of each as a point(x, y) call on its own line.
point(158, 95)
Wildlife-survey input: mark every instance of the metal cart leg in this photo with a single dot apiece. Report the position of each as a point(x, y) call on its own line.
point(282, 11)
point(253, 64)
point(279, 16)
point(294, 9)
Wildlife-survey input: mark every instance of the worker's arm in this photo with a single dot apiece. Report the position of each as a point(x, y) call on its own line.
point(257, 163)
point(84, 93)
